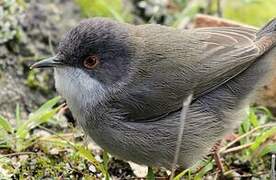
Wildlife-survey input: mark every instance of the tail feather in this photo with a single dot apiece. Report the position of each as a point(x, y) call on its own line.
point(269, 28)
point(266, 37)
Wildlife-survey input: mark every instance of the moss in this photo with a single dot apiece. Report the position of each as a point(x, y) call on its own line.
point(48, 166)
point(37, 80)
point(10, 11)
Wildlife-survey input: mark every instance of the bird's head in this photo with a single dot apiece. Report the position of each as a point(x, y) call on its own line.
point(95, 54)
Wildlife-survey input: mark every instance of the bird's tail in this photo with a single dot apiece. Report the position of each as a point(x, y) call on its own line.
point(269, 28)
point(266, 36)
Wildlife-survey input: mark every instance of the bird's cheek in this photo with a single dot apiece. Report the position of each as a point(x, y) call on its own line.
point(59, 81)
point(63, 82)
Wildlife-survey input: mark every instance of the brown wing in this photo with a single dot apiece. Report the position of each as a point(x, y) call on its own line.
point(228, 52)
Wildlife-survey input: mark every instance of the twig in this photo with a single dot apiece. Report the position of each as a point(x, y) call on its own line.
point(63, 108)
point(183, 115)
point(63, 137)
point(229, 172)
point(252, 175)
point(237, 148)
point(194, 169)
point(217, 158)
point(181, 174)
point(246, 134)
point(218, 162)
point(20, 153)
point(55, 134)
point(219, 8)
point(245, 175)
point(273, 174)
point(216, 175)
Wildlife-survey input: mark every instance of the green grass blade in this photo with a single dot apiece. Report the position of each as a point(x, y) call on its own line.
point(265, 110)
point(271, 148)
point(245, 127)
point(22, 144)
point(5, 124)
point(6, 139)
point(112, 10)
point(204, 170)
point(54, 140)
point(105, 161)
point(260, 139)
point(35, 121)
point(17, 115)
point(180, 175)
point(42, 115)
point(86, 153)
point(194, 168)
point(45, 107)
point(150, 175)
point(253, 117)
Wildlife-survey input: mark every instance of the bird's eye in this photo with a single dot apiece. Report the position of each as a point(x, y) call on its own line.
point(91, 61)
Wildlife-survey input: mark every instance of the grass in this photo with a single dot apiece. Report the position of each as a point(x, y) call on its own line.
point(25, 154)
point(248, 154)
point(18, 138)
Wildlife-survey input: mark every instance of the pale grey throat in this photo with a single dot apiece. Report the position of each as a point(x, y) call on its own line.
point(79, 90)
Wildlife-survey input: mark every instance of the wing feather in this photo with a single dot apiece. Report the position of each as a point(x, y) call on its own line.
point(190, 61)
point(229, 51)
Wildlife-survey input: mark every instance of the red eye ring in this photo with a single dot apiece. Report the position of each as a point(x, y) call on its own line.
point(91, 61)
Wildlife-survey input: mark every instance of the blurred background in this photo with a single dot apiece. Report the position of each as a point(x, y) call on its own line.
point(30, 30)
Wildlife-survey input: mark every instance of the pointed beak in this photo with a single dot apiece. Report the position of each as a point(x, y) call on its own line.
point(47, 63)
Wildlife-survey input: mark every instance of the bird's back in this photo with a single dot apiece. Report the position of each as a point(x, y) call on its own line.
point(190, 61)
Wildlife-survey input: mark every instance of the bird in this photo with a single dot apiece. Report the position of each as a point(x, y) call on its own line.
point(125, 84)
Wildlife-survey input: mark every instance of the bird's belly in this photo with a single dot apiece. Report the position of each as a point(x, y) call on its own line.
point(154, 143)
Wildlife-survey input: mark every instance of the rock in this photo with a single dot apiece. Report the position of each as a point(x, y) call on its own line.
point(43, 24)
point(138, 170)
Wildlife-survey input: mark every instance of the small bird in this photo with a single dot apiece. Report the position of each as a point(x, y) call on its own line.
point(125, 84)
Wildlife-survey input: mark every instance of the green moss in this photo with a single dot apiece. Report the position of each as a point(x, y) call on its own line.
point(68, 166)
point(10, 12)
point(37, 81)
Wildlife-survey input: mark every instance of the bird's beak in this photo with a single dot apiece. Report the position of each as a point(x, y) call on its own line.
point(46, 63)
